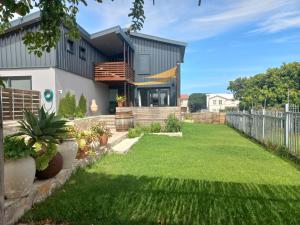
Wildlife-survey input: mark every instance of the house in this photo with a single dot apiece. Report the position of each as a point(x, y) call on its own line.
point(184, 99)
point(100, 66)
point(219, 102)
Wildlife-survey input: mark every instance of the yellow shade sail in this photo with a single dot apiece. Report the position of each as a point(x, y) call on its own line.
point(166, 74)
point(157, 82)
point(163, 77)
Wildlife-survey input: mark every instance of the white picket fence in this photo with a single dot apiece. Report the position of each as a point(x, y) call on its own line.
point(270, 127)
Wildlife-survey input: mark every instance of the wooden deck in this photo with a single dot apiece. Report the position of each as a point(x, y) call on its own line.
point(113, 72)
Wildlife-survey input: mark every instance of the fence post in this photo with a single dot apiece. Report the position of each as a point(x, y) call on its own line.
point(263, 124)
point(287, 125)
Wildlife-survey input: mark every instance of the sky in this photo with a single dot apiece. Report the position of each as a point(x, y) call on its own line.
point(226, 38)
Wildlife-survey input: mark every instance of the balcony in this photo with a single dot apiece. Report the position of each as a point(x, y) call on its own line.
point(113, 72)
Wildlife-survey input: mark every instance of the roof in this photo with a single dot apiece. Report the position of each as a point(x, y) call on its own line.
point(101, 39)
point(221, 95)
point(184, 96)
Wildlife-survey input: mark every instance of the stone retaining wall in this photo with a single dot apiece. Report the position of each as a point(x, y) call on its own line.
point(15, 208)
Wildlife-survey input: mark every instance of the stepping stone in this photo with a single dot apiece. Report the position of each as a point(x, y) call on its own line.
point(125, 145)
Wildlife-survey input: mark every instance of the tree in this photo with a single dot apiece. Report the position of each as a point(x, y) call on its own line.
point(82, 107)
point(197, 101)
point(53, 14)
point(274, 88)
point(67, 105)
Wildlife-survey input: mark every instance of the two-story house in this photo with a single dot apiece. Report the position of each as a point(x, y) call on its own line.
point(219, 102)
point(99, 66)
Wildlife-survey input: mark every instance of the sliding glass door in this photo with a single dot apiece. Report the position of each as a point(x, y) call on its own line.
point(154, 97)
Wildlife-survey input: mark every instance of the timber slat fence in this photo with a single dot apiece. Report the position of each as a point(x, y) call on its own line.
point(271, 128)
point(15, 101)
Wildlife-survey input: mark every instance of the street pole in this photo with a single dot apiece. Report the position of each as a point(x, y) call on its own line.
point(1, 165)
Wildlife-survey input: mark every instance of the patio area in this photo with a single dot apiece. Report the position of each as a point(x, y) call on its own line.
point(211, 175)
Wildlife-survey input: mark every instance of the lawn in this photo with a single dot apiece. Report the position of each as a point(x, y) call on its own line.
point(210, 176)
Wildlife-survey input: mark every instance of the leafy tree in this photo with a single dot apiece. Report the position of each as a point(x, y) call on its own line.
point(273, 88)
point(67, 105)
point(197, 101)
point(82, 107)
point(53, 14)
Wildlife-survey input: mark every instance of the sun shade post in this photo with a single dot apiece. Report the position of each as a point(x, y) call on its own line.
point(1, 166)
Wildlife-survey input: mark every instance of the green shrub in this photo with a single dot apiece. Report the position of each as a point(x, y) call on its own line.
point(134, 132)
point(81, 109)
point(67, 105)
point(16, 148)
point(42, 160)
point(173, 124)
point(155, 127)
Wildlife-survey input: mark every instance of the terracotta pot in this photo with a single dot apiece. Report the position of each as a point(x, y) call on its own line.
point(68, 149)
point(120, 104)
point(18, 177)
point(54, 167)
point(103, 139)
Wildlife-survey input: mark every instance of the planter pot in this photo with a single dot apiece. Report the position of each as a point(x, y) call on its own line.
point(103, 139)
point(68, 150)
point(18, 177)
point(54, 167)
point(120, 104)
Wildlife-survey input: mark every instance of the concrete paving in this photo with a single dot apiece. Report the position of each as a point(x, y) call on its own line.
point(124, 146)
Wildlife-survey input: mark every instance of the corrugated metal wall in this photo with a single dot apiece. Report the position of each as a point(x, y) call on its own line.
point(72, 62)
point(14, 54)
point(163, 56)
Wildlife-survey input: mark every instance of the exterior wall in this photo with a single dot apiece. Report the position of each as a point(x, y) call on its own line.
point(226, 103)
point(163, 56)
point(65, 81)
point(14, 54)
point(72, 62)
point(41, 79)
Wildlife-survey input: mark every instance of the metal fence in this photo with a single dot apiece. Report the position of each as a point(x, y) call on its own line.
point(273, 128)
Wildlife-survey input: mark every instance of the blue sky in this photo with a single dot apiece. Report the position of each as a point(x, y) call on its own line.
point(226, 38)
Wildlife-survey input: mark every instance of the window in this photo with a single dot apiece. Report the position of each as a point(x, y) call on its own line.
point(144, 64)
point(70, 46)
point(20, 82)
point(220, 102)
point(154, 97)
point(82, 52)
point(214, 102)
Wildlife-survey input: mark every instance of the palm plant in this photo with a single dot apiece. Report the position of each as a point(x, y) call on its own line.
point(42, 128)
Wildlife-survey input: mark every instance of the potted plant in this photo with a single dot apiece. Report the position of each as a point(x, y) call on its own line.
point(68, 147)
point(84, 139)
point(101, 132)
point(44, 132)
point(19, 167)
point(120, 100)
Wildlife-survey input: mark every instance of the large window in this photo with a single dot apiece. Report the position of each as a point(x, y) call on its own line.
point(17, 82)
point(154, 97)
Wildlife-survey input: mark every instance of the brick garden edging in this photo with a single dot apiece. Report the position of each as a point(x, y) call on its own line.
point(15, 208)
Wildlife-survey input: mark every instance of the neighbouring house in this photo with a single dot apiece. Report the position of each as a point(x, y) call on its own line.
point(219, 102)
point(184, 99)
point(102, 65)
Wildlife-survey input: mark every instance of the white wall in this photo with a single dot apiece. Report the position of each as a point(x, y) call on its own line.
point(226, 103)
point(41, 79)
point(65, 81)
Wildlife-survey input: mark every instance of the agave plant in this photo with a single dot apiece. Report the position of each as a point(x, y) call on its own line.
point(42, 128)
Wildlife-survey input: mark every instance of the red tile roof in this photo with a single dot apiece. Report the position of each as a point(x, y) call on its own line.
point(184, 96)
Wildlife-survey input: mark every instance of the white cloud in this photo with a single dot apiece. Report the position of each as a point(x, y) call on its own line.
point(183, 20)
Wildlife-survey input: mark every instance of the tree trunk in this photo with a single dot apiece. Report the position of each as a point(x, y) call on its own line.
point(1, 166)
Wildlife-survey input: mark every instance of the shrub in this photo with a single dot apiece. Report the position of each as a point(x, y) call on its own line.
point(173, 124)
point(134, 132)
point(44, 157)
point(67, 105)
point(16, 148)
point(155, 127)
point(81, 109)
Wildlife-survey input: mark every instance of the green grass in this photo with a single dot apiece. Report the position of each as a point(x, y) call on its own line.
point(210, 176)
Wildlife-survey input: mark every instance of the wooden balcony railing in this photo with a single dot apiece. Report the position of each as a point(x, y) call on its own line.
point(113, 71)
